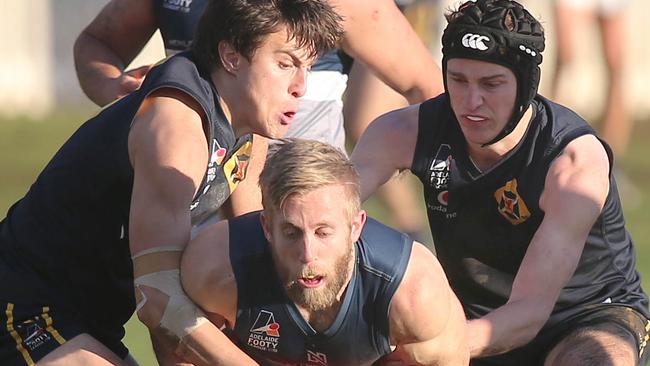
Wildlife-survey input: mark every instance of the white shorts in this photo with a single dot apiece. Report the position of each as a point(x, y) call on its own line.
point(320, 111)
point(602, 7)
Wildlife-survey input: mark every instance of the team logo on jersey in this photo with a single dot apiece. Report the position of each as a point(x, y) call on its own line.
point(216, 158)
point(316, 358)
point(440, 167)
point(510, 204)
point(439, 171)
point(33, 334)
point(218, 153)
point(443, 198)
point(235, 167)
point(265, 332)
point(182, 6)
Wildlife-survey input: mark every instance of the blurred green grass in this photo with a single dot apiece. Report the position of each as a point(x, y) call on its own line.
point(26, 145)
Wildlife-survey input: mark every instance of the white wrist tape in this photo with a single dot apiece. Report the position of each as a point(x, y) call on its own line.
point(181, 316)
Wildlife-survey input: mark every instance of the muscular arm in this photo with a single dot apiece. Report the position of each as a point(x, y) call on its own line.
point(169, 154)
point(379, 36)
point(576, 188)
point(426, 319)
point(208, 279)
point(108, 44)
point(386, 148)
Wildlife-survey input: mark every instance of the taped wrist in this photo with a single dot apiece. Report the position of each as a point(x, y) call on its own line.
point(159, 268)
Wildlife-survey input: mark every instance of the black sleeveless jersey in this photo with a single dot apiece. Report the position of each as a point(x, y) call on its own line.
point(177, 20)
point(270, 328)
point(67, 239)
point(483, 222)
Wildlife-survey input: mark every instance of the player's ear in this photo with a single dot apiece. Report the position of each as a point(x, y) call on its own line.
point(229, 57)
point(266, 226)
point(357, 225)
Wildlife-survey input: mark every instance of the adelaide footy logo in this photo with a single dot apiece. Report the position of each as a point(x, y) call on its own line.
point(510, 204)
point(265, 332)
point(439, 172)
point(439, 169)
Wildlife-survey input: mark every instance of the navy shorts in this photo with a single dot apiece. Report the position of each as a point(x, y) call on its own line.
point(534, 353)
point(29, 332)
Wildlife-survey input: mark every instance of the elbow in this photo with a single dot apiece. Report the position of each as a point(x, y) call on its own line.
point(529, 333)
point(79, 51)
point(529, 329)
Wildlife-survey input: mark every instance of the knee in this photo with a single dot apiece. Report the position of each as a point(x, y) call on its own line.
point(594, 347)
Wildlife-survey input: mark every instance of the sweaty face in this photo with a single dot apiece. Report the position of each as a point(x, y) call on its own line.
point(482, 95)
point(312, 245)
point(270, 85)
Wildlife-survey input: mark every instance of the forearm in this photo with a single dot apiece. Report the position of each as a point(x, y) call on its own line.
point(381, 38)
point(207, 345)
point(174, 320)
point(425, 87)
point(506, 328)
point(96, 66)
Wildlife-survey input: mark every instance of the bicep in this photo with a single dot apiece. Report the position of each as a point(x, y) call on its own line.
point(575, 190)
point(378, 35)
point(168, 151)
point(386, 148)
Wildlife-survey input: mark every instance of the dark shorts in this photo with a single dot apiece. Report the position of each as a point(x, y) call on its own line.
point(619, 316)
point(30, 332)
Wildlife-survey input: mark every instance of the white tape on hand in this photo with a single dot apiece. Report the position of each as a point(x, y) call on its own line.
point(181, 316)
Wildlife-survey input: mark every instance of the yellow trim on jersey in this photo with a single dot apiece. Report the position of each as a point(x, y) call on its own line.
point(49, 327)
point(644, 341)
point(19, 341)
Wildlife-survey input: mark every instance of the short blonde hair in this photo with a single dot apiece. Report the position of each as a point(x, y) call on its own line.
point(297, 166)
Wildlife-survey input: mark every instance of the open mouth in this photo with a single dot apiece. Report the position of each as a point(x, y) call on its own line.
point(310, 281)
point(287, 117)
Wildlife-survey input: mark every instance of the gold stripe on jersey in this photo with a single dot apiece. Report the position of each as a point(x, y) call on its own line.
point(48, 322)
point(19, 341)
point(644, 340)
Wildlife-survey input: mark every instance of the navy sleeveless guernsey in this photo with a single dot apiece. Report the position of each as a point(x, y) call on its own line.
point(66, 242)
point(483, 222)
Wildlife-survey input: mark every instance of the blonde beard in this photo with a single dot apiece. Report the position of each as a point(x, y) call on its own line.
point(319, 299)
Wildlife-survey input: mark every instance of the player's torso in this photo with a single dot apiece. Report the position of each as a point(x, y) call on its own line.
point(483, 222)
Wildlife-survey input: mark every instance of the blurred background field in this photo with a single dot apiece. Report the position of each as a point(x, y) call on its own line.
point(41, 103)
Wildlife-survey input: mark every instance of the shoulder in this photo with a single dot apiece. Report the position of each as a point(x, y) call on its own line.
point(582, 170)
point(403, 121)
point(179, 71)
point(390, 138)
point(170, 121)
point(583, 155)
point(423, 288)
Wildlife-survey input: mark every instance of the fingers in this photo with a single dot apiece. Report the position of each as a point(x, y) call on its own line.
point(132, 79)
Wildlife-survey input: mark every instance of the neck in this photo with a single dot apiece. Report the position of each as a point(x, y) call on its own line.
point(222, 81)
point(484, 157)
